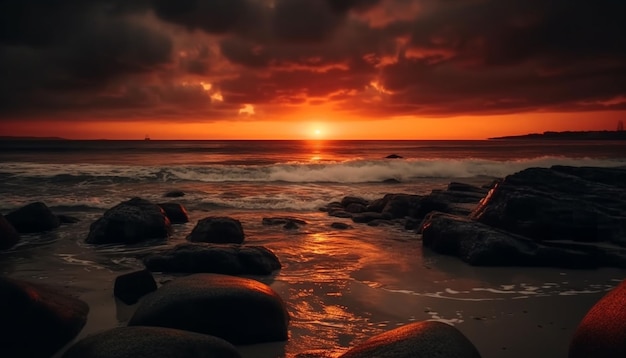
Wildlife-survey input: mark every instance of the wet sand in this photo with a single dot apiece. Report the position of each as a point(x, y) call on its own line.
point(342, 287)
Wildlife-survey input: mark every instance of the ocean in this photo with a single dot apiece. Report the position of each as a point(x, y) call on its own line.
point(340, 286)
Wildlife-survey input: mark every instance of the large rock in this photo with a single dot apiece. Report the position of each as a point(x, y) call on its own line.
point(34, 217)
point(130, 222)
point(8, 235)
point(130, 287)
point(401, 205)
point(175, 212)
point(560, 203)
point(230, 259)
point(37, 320)
point(482, 245)
point(239, 310)
point(428, 339)
point(602, 332)
point(218, 230)
point(151, 342)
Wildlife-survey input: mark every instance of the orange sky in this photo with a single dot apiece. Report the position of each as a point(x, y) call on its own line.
point(302, 69)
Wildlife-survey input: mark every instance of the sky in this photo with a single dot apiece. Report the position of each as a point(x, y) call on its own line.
point(310, 69)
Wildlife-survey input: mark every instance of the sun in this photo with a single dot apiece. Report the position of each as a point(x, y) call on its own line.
point(317, 132)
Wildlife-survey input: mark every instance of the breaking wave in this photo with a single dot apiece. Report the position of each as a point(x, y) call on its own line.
point(354, 171)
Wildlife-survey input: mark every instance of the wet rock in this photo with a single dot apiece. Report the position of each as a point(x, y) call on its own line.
point(231, 259)
point(602, 332)
point(283, 220)
point(174, 194)
point(8, 235)
point(394, 156)
point(391, 181)
point(353, 200)
point(379, 204)
point(370, 216)
point(355, 208)
point(130, 222)
point(32, 218)
point(153, 342)
point(335, 205)
point(423, 339)
point(340, 214)
point(560, 203)
point(66, 219)
point(482, 245)
point(340, 226)
point(239, 310)
point(175, 212)
point(130, 287)
point(218, 230)
point(401, 205)
point(37, 320)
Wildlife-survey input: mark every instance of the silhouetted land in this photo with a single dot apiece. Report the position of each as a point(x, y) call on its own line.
point(30, 138)
point(572, 135)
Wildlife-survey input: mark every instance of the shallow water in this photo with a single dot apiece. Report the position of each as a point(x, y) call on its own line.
point(342, 287)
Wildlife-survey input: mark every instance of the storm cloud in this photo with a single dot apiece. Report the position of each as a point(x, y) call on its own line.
point(372, 58)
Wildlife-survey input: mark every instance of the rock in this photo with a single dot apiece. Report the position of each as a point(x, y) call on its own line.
point(482, 245)
point(379, 204)
point(602, 332)
point(560, 203)
point(32, 218)
point(370, 216)
point(291, 226)
point(429, 339)
point(394, 156)
point(130, 222)
point(37, 320)
point(231, 259)
point(355, 208)
point(335, 205)
point(174, 194)
point(8, 235)
point(219, 230)
point(340, 214)
point(66, 219)
point(401, 205)
point(463, 187)
point(130, 287)
point(175, 212)
point(239, 310)
point(391, 181)
point(340, 226)
point(353, 200)
point(152, 342)
point(282, 220)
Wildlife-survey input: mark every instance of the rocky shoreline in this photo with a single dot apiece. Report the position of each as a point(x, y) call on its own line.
point(557, 217)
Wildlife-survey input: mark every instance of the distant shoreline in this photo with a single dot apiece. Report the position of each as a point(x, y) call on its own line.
point(570, 135)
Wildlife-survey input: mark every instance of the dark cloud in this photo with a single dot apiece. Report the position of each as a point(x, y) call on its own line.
point(441, 58)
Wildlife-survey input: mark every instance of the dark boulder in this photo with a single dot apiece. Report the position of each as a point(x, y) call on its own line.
point(151, 342)
point(401, 205)
point(130, 222)
point(286, 221)
point(175, 212)
point(602, 332)
point(429, 339)
point(130, 287)
point(340, 213)
point(335, 205)
point(391, 181)
point(482, 245)
point(379, 204)
point(230, 259)
point(370, 216)
point(239, 310)
point(8, 235)
point(353, 200)
point(394, 156)
point(32, 218)
point(218, 230)
point(355, 208)
point(340, 226)
point(37, 320)
point(174, 194)
point(66, 219)
point(556, 204)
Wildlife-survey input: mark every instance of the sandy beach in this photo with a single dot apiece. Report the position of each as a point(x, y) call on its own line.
point(342, 287)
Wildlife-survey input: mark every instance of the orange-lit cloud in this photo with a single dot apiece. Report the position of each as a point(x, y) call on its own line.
point(419, 64)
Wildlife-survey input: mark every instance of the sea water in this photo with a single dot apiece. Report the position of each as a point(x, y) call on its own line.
point(340, 286)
